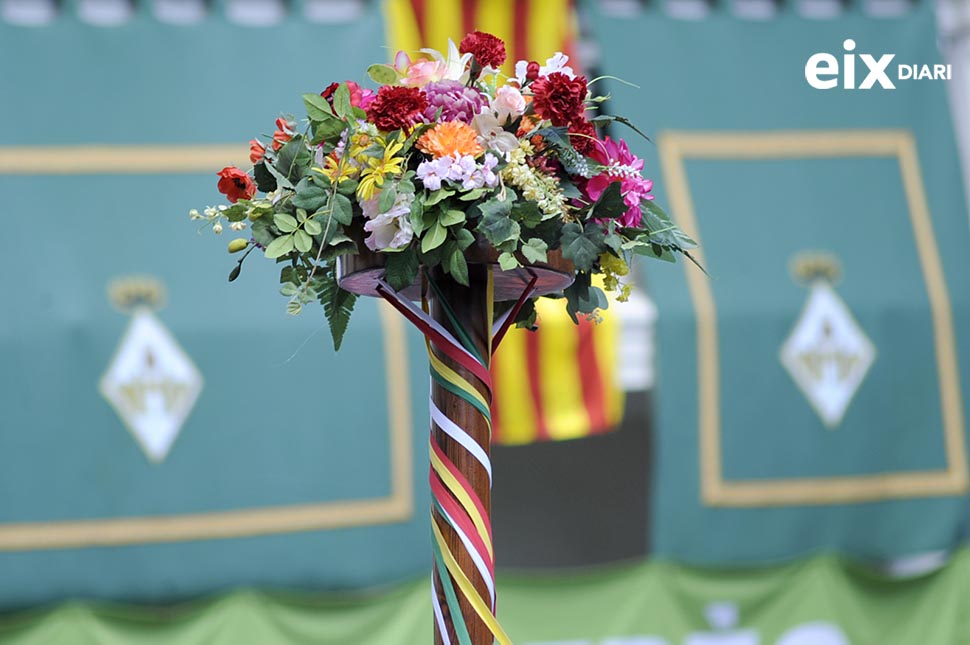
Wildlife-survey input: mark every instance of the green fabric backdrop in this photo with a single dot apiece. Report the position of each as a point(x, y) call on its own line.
point(816, 602)
point(723, 76)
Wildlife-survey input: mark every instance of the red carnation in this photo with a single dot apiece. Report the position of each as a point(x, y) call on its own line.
point(582, 135)
point(559, 98)
point(488, 50)
point(235, 184)
point(397, 107)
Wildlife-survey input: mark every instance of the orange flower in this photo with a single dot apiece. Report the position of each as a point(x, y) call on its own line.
point(450, 137)
point(527, 124)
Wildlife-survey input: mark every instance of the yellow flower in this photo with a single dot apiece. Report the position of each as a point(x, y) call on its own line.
point(372, 177)
point(336, 170)
point(449, 138)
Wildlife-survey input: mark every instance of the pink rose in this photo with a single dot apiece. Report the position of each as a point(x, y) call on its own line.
point(508, 103)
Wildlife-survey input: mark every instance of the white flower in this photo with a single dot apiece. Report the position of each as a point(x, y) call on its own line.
point(237, 226)
point(390, 230)
point(455, 65)
point(555, 64)
point(217, 228)
point(429, 172)
point(508, 103)
point(492, 135)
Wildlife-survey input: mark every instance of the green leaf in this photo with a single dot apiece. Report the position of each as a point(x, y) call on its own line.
point(417, 216)
point(582, 246)
point(288, 274)
point(496, 225)
point(610, 205)
point(401, 268)
point(293, 307)
point(526, 317)
point(302, 241)
point(535, 250)
point(279, 247)
point(452, 217)
point(382, 74)
point(313, 227)
point(434, 238)
point(582, 297)
point(317, 108)
point(261, 233)
point(464, 238)
point(341, 102)
point(342, 246)
point(338, 305)
point(436, 196)
point(289, 289)
point(507, 261)
point(606, 119)
point(286, 223)
point(458, 267)
point(265, 181)
point(472, 195)
point(293, 159)
point(310, 198)
point(661, 227)
point(343, 210)
point(329, 129)
point(347, 187)
point(527, 213)
point(387, 197)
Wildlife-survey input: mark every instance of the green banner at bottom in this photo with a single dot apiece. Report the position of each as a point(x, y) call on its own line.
point(821, 601)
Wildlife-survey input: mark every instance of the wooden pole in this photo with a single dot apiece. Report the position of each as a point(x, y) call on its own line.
point(471, 308)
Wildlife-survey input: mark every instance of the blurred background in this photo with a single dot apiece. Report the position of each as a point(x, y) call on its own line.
point(776, 454)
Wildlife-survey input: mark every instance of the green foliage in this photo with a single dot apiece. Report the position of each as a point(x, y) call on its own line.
point(583, 298)
point(582, 246)
point(338, 305)
point(535, 250)
point(401, 268)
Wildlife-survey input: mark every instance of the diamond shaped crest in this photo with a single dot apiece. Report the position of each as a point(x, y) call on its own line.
point(152, 384)
point(827, 353)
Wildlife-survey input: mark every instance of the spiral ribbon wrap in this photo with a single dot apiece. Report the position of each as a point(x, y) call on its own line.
point(454, 499)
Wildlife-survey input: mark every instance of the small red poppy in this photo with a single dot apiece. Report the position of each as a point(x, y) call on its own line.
point(235, 184)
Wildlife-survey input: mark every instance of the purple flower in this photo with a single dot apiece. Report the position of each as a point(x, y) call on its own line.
point(456, 102)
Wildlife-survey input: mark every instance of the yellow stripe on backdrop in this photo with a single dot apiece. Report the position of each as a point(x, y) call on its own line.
point(560, 407)
point(517, 413)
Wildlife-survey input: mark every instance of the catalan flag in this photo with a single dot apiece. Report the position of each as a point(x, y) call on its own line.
point(560, 382)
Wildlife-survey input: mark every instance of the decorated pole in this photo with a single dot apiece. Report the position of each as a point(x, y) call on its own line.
point(461, 333)
point(462, 459)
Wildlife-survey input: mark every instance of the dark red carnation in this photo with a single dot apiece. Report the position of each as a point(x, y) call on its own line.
point(582, 134)
point(559, 98)
point(488, 50)
point(397, 107)
point(532, 71)
point(235, 184)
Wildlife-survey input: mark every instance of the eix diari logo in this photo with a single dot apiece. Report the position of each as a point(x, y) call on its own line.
point(822, 70)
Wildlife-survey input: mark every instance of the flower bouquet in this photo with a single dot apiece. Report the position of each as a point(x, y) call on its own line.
point(471, 191)
point(447, 157)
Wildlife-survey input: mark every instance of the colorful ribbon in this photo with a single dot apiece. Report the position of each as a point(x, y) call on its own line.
point(454, 500)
